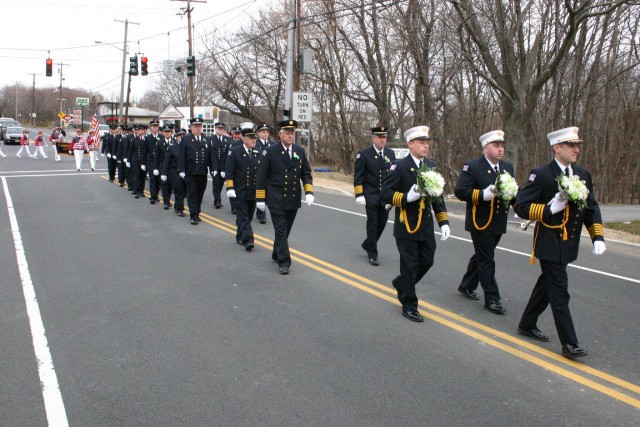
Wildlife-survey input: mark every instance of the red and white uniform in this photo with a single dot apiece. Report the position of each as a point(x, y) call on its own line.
point(92, 143)
point(56, 137)
point(77, 147)
point(24, 145)
point(39, 147)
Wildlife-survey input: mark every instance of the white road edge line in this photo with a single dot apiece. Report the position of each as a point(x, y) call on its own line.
point(604, 273)
point(54, 406)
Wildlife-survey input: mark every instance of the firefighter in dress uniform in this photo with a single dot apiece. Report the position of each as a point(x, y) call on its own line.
point(151, 142)
point(283, 166)
point(372, 166)
point(264, 140)
point(242, 166)
point(170, 173)
point(161, 152)
point(557, 237)
point(126, 142)
point(109, 149)
point(486, 218)
point(136, 160)
point(413, 225)
point(194, 162)
point(220, 144)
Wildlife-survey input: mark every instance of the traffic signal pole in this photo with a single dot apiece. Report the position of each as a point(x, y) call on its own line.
point(124, 61)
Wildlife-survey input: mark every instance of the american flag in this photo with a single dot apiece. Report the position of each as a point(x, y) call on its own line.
point(94, 126)
point(57, 90)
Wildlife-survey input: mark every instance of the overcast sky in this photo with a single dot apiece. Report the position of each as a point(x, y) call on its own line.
point(70, 28)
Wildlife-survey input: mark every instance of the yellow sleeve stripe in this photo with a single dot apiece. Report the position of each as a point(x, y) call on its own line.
point(442, 216)
point(358, 189)
point(308, 188)
point(396, 200)
point(229, 183)
point(261, 194)
point(596, 230)
point(475, 197)
point(536, 210)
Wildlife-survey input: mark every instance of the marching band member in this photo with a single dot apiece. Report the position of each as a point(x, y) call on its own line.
point(39, 142)
point(24, 143)
point(56, 136)
point(93, 142)
point(77, 148)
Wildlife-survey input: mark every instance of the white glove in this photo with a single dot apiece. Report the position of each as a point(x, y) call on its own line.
point(261, 206)
point(128, 164)
point(215, 173)
point(599, 247)
point(413, 194)
point(446, 232)
point(360, 200)
point(558, 203)
point(108, 155)
point(222, 174)
point(163, 177)
point(489, 192)
point(309, 199)
point(143, 167)
point(125, 160)
point(114, 157)
point(156, 172)
point(70, 151)
point(231, 194)
point(182, 175)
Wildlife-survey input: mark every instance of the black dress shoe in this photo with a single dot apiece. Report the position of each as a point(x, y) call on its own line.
point(495, 307)
point(263, 221)
point(233, 212)
point(218, 206)
point(198, 218)
point(193, 221)
point(572, 351)
point(283, 270)
point(166, 207)
point(180, 214)
point(469, 294)
point(373, 261)
point(152, 201)
point(534, 333)
point(414, 316)
point(136, 196)
point(248, 246)
point(121, 185)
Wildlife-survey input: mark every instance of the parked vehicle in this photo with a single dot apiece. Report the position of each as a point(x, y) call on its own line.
point(12, 135)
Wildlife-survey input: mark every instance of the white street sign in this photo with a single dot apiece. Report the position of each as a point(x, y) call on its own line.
point(82, 102)
point(169, 66)
point(302, 110)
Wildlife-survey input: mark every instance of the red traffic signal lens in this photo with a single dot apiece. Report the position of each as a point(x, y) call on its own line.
point(49, 61)
point(144, 60)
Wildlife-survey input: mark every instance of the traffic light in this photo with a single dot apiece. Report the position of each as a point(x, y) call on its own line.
point(49, 67)
point(133, 65)
point(143, 66)
point(191, 66)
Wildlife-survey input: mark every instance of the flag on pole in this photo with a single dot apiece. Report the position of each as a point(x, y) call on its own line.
point(94, 126)
point(57, 90)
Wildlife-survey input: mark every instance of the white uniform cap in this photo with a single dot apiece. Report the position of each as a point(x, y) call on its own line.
point(418, 132)
point(564, 135)
point(493, 136)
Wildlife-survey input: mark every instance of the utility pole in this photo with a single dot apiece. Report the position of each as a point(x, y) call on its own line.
point(33, 99)
point(187, 11)
point(17, 83)
point(60, 92)
point(124, 60)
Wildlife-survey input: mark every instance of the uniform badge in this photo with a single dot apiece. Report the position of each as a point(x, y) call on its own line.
point(532, 177)
point(465, 168)
point(358, 156)
point(392, 168)
point(264, 152)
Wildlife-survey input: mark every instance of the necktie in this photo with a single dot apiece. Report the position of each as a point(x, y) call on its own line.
point(495, 168)
point(566, 171)
point(288, 154)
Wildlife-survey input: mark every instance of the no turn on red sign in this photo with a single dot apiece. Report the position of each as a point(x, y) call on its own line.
point(302, 108)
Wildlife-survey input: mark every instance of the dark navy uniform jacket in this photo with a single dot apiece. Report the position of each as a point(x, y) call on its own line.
point(151, 144)
point(531, 203)
point(399, 180)
point(219, 152)
point(136, 152)
point(370, 171)
point(241, 172)
point(161, 152)
point(109, 144)
point(475, 176)
point(279, 177)
point(170, 161)
point(195, 156)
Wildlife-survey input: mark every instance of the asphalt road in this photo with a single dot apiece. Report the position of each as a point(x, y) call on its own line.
point(151, 321)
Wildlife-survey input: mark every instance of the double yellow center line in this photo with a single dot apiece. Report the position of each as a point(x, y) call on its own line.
point(589, 377)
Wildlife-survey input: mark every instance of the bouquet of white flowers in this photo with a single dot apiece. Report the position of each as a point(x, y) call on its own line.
point(430, 182)
point(506, 186)
point(574, 189)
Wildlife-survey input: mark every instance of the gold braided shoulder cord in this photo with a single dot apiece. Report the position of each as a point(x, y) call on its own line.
point(404, 218)
point(473, 215)
point(562, 225)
